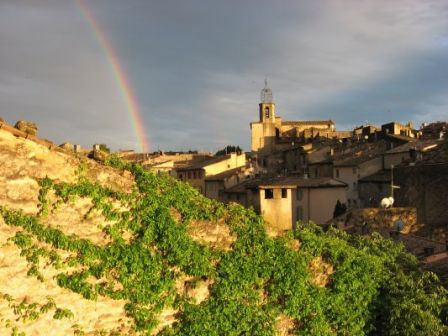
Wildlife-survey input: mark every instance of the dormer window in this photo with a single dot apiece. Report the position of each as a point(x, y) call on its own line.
point(266, 112)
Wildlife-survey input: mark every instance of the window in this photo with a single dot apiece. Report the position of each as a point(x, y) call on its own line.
point(180, 176)
point(337, 173)
point(284, 193)
point(268, 193)
point(189, 175)
point(266, 112)
point(299, 194)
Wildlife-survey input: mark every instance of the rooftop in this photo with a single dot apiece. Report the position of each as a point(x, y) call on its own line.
point(400, 137)
point(359, 154)
point(202, 164)
point(309, 122)
point(438, 154)
point(420, 145)
point(295, 181)
point(225, 174)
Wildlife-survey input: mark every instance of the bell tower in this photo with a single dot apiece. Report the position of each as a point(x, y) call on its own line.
point(267, 106)
point(264, 130)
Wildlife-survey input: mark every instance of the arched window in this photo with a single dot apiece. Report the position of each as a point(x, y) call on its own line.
point(266, 112)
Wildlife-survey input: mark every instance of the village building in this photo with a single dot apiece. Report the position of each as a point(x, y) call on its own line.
point(435, 130)
point(163, 167)
point(395, 128)
point(195, 173)
point(424, 184)
point(282, 201)
point(215, 185)
point(373, 188)
point(350, 167)
point(270, 133)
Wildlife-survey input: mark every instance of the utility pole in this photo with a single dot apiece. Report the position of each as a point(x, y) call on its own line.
point(392, 181)
point(392, 186)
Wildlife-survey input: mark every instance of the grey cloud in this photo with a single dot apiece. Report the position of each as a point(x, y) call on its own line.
point(197, 67)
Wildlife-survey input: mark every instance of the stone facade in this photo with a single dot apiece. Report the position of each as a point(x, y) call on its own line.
point(271, 133)
point(425, 187)
point(284, 200)
point(195, 174)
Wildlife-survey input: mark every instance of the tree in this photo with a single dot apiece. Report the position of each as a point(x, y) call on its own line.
point(104, 148)
point(339, 209)
point(229, 149)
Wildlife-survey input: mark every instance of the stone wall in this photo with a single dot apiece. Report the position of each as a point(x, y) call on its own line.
point(425, 187)
point(378, 219)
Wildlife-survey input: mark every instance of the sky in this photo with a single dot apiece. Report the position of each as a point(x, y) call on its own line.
point(196, 67)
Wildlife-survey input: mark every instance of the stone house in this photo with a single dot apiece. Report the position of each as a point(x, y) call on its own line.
point(196, 173)
point(395, 128)
point(409, 152)
point(284, 200)
point(165, 167)
point(215, 185)
point(375, 187)
point(350, 170)
point(424, 185)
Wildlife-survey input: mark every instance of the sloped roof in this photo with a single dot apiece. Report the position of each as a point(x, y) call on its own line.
point(360, 154)
point(400, 137)
point(294, 181)
point(202, 164)
point(225, 174)
point(420, 145)
point(309, 122)
point(438, 154)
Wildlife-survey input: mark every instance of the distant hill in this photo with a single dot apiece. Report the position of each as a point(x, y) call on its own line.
point(89, 249)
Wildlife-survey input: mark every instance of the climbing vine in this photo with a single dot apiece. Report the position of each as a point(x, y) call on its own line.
point(257, 280)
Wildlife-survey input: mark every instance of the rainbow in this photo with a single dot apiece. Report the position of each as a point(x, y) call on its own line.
point(119, 75)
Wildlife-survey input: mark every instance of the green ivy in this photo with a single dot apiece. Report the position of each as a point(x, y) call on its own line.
point(376, 287)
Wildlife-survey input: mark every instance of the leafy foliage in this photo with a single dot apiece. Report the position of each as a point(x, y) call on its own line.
point(376, 288)
point(229, 149)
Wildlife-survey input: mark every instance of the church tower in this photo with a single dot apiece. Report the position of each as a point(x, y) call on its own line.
point(264, 131)
point(267, 106)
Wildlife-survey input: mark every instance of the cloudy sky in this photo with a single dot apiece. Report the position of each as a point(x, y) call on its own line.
point(197, 66)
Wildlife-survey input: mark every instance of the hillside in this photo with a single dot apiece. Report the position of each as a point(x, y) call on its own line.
point(88, 249)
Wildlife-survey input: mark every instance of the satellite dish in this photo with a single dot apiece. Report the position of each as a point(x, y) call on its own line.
point(399, 225)
point(387, 202)
point(391, 201)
